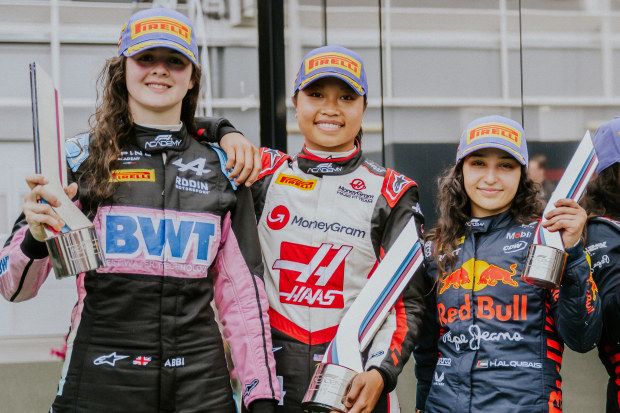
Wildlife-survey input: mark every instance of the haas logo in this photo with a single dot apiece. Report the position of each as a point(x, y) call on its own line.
point(311, 276)
point(278, 217)
point(358, 184)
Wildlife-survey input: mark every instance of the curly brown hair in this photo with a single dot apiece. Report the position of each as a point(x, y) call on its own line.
point(111, 126)
point(602, 197)
point(455, 211)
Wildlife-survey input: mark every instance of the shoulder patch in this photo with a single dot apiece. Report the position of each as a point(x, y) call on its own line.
point(394, 186)
point(271, 159)
point(223, 159)
point(76, 150)
point(609, 221)
point(374, 167)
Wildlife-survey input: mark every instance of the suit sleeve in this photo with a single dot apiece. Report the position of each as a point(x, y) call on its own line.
point(242, 302)
point(24, 264)
point(604, 244)
point(211, 129)
point(576, 309)
point(405, 319)
point(426, 352)
point(24, 261)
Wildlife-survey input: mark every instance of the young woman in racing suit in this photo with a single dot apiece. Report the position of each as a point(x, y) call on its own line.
point(176, 236)
point(602, 202)
point(494, 343)
point(325, 218)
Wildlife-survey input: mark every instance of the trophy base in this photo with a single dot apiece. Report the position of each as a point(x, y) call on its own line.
point(75, 252)
point(329, 384)
point(544, 266)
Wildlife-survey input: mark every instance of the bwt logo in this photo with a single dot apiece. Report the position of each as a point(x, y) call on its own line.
point(132, 235)
point(4, 264)
point(163, 141)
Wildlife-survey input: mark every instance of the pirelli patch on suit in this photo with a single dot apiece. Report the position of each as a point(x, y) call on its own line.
point(296, 182)
point(133, 175)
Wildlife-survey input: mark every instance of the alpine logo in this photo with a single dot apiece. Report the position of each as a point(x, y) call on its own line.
point(278, 218)
point(163, 141)
point(311, 276)
point(358, 184)
point(197, 166)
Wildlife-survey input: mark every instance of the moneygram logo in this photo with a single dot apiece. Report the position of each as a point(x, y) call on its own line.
point(278, 218)
point(477, 275)
point(311, 276)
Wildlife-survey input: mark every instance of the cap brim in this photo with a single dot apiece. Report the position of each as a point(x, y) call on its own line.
point(152, 44)
point(485, 145)
point(354, 85)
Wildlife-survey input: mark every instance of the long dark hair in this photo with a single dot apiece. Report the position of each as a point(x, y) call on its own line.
point(111, 127)
point(602, 197)
point(455, 211)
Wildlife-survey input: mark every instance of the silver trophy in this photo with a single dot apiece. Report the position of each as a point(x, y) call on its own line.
point(329, 384)
point(343, 358)
point(544, 266)
point(546, 257)
point(76, 248)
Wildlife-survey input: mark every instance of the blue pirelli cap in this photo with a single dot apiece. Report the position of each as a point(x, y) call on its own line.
point(494, 132)
point(161, 27)
point(333, 61)
point(606, 142)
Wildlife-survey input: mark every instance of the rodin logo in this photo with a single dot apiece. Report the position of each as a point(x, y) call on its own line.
point(278, 218)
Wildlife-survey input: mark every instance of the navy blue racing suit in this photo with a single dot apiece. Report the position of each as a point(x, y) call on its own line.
point(492, 342)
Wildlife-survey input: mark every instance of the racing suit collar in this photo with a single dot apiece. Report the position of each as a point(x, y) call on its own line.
point(480, 225)
point(314, 165)
point(153, 140)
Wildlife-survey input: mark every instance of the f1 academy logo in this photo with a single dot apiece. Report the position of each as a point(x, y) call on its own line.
point(163, 141)
point(310, 276)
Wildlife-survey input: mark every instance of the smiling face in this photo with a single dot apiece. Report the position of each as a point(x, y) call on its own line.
point(491, 177)
point(157, 81)
point(329, 114)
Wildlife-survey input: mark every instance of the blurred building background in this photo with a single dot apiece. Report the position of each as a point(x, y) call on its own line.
point(434, 66)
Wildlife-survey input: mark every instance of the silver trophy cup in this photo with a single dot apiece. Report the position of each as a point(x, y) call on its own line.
point(544, 266)
point(76, 249)
point(327, 388)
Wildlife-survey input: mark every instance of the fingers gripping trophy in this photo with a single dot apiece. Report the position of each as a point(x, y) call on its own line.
point(75, 248)
point(546, 256)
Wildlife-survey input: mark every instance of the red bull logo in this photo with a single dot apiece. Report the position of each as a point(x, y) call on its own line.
point(485, 307)
point(591, 294)
point(476, 275)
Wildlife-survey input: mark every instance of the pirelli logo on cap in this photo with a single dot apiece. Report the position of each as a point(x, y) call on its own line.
point(337, 60)
point(296, 182)
point(487, 130)
point(133, 175)
point(161, 25)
